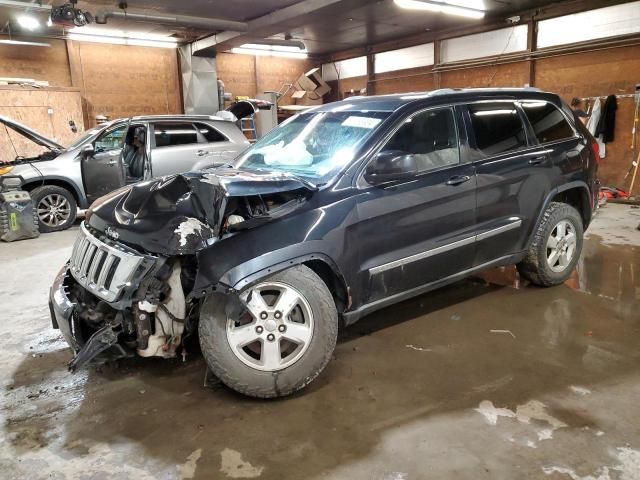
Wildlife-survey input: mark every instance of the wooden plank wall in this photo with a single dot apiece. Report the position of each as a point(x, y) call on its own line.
point(122, 81)
point(39, 63)
point(585, 74)
point(248, 75)
point(113, 80)
point(48, 111)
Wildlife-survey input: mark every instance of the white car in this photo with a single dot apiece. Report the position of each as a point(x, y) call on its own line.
point(120, 152)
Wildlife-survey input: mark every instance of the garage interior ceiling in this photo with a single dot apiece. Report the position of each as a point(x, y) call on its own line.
point(325, 26)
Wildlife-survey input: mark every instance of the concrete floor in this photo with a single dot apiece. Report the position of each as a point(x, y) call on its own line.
point(485, 379)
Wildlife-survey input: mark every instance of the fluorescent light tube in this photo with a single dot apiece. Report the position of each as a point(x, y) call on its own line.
point(28, 44)
point(119, 37)
point(440, 7)
point(270, 50)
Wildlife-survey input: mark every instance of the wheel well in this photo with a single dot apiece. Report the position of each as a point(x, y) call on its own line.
point(29, 187)
point(333, 281)
point(579, 199)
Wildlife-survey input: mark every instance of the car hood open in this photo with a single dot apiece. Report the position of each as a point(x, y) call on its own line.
point(32, 135)
point(181, 214)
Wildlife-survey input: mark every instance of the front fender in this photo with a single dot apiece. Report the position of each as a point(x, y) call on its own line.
point(252, 271)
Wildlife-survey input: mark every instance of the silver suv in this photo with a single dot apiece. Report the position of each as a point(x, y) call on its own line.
point(118, 153)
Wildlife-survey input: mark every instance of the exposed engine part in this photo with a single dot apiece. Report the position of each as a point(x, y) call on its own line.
point(250, 211)
point(100, 341)
point(168, 318)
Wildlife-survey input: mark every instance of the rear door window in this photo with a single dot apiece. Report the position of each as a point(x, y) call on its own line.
point(497, 127)
point(549, 124)
point(170, 134)
point(209, 133)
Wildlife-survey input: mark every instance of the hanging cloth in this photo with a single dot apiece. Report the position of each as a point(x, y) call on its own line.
point(607, 124)
point(596, 113)
point(592, 125)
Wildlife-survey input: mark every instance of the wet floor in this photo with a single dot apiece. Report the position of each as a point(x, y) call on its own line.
point(488, 378)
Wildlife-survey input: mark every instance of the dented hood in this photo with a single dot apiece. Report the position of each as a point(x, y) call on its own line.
point(181, 214)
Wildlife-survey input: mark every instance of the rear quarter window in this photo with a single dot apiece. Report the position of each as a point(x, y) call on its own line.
point(210, 133)
point(497, 128)
point(549, 124)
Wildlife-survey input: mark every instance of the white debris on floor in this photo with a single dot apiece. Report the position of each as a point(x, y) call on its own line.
point(233, 466)
point(628, 468)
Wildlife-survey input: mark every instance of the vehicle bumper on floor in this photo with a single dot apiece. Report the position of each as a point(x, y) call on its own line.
point(62, 307)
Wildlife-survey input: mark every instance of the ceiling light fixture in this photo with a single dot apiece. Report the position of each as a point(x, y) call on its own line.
point(119, 37)
point(27, 44)
point(28, 22)
point(441, 7)
point(271, 50)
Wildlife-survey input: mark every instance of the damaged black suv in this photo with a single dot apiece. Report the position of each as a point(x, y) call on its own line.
point(340, 211)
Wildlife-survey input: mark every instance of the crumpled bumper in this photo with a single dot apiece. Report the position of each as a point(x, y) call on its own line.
point(61, 308)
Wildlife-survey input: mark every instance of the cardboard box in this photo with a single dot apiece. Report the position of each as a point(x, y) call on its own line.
point(311, 88)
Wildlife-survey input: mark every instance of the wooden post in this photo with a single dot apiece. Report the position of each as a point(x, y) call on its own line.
point(436, 63)
point(371, 74)
point(532, 47)
point(77, 79)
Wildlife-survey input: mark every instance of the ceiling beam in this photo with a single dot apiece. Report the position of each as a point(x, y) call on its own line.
point(272, 24)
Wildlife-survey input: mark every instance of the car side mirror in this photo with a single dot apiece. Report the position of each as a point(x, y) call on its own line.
point(88, 150)
point(389, 166)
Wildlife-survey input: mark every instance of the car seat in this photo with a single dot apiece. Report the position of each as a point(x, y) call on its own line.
point(134, 157)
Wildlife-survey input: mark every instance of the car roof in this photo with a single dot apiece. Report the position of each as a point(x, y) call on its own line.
point(390, 103)
point(151, 118)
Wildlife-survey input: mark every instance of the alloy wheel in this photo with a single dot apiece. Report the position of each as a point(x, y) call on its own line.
point(275, 330)
point(561, 246)
point(54, 210)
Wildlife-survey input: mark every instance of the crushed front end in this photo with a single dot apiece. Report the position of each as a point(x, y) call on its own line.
point(127, 287)
point(111, 301)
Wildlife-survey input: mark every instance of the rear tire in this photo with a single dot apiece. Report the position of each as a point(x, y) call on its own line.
point(281, 341)
point(556, 247)
point(56, 208)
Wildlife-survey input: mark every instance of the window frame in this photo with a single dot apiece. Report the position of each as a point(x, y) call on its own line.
point(460, 129)
point(476, 155)
point(534, 137)
point(199, 137)
point(109, 131)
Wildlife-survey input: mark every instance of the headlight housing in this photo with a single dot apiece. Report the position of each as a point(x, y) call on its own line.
point(5, 170)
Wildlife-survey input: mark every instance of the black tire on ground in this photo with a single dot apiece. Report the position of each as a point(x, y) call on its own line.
point(253, 382)
point(535, 267)
point(42, 197)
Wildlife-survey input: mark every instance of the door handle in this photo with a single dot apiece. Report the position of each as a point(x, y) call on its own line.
point(458, 179)
point(201, 153)
point(538, 160)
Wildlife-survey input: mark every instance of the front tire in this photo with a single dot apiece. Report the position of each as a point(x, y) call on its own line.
point(556, 247)
point(55, 206)
point(281, 340)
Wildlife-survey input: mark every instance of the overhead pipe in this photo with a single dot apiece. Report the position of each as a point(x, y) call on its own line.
point(25, 5)
point(216, 24)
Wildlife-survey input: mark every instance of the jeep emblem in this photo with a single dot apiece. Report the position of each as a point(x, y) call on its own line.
point(111, 233)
